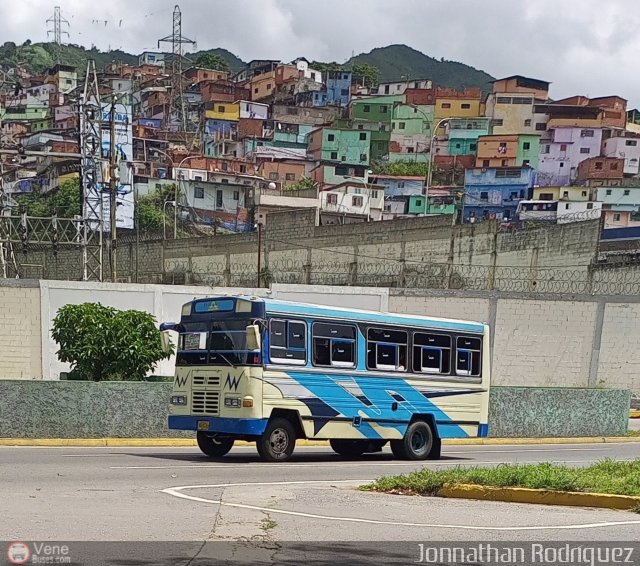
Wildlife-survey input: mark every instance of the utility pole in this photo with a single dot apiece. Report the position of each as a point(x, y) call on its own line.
point(113, 188)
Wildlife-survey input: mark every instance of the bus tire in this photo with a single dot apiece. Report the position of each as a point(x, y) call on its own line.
point(349, 448)
point(278, 441)
point(214, 446)
point(416, 444)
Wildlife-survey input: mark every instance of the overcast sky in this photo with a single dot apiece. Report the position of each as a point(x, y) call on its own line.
point(587, 47)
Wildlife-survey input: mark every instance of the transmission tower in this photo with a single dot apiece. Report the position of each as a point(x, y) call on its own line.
point(91, 174)
point(177, 105)
point(57, 21)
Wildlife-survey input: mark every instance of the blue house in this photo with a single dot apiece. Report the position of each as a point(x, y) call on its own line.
point(399, 185)
point(495, 192)
point(338, 85)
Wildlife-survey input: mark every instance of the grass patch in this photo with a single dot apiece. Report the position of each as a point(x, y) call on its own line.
point(607, 476)
point(633, 433)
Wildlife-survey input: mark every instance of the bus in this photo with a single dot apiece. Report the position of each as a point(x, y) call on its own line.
point(272, 372)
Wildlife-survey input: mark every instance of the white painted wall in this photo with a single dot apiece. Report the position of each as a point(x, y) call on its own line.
point(165, 303)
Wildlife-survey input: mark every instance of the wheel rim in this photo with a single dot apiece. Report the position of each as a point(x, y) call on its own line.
point(279, 441)
point(418, 441)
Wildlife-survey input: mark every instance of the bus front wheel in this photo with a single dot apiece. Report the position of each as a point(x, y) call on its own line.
point(416, 444)
point(213, 445)
point(277, 442)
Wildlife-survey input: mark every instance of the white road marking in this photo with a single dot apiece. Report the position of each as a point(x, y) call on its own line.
point(177, 492)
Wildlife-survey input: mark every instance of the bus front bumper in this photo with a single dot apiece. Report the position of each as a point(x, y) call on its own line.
point(240, 427)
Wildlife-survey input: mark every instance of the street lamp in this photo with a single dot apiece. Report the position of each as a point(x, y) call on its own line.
point(175, 212)
point(430, 171)
point(164, 217)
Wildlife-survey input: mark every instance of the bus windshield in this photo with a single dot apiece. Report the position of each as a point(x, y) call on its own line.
point(216, 342)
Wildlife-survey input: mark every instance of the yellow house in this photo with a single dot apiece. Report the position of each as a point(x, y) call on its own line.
point(574, 194)
point(451, 103)
point(223, 111)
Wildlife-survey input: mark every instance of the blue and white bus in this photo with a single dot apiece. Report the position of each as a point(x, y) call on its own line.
point(271, 372)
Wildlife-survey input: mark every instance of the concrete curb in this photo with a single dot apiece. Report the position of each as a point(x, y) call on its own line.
point(181, 442)
point(539, 496)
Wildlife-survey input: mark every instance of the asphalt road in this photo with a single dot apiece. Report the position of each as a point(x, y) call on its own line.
point(176, 494)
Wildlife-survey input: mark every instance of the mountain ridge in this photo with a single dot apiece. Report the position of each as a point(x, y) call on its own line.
point(393, 61)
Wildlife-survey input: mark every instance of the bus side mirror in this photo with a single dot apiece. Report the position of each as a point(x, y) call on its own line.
point(253, 337)
point(167, 345)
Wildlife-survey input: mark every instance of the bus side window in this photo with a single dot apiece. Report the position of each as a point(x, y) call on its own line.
point(387, 349)
point(468, 356)
point(288, 342)
point(334, 345)
point(431, 353)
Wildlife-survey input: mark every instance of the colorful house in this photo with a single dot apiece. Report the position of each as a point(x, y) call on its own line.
point(508, 151)
point(495, 192)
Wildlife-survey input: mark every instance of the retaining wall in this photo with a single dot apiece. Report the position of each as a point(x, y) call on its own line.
point(74, 409)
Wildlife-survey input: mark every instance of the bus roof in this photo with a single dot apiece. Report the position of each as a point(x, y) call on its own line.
point(276, 306)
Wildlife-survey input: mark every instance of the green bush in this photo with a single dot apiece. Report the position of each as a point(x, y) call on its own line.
point(103, 343)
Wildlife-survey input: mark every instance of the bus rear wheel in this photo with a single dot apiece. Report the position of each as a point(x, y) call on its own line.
point(416, 444)
point(349, 448)
point(277, 442)
point(213, 445)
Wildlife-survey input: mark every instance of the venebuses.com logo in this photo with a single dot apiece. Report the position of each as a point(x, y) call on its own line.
point(18, 553)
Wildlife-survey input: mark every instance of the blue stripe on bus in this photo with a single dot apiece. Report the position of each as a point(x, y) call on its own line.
point(345, 395)
point(274, 307)
point(483, 430)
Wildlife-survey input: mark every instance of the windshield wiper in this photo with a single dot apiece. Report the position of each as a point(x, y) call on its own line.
point(225, 359)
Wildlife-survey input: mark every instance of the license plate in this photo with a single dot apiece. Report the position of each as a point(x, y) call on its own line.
point(203, 425)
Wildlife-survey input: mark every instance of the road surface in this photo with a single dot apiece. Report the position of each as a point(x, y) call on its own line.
point(176, 494)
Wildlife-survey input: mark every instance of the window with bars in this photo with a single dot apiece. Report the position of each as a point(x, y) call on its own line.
point(468, 356)
point(431, 353)
point(288, 342)
point(334, 345)
point(387, 349)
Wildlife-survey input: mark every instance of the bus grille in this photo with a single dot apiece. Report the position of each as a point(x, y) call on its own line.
point(205, 402)
point(212, 380)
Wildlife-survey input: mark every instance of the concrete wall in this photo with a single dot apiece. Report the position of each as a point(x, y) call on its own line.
point(548, 340)
point(73, 409)
point(20, 336)
point(163, 301)
point(412, 252)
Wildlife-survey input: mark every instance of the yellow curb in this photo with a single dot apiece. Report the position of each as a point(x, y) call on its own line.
point(507, 441)
point(539, 496)
point(634, 414)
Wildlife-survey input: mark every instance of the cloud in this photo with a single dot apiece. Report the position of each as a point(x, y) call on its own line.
point(581, 46)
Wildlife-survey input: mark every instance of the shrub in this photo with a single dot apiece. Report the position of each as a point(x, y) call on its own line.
point(103, 343)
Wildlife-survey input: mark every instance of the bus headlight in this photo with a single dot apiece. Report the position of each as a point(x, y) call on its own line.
point(178, 400)
point(232, 402)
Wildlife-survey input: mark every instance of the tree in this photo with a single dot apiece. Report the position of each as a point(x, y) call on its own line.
point(212, 61)
point(402, 168)
point(151, 209)
point(103, 343)
point(366, 74)
point(304, 184)
point(65, 202)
